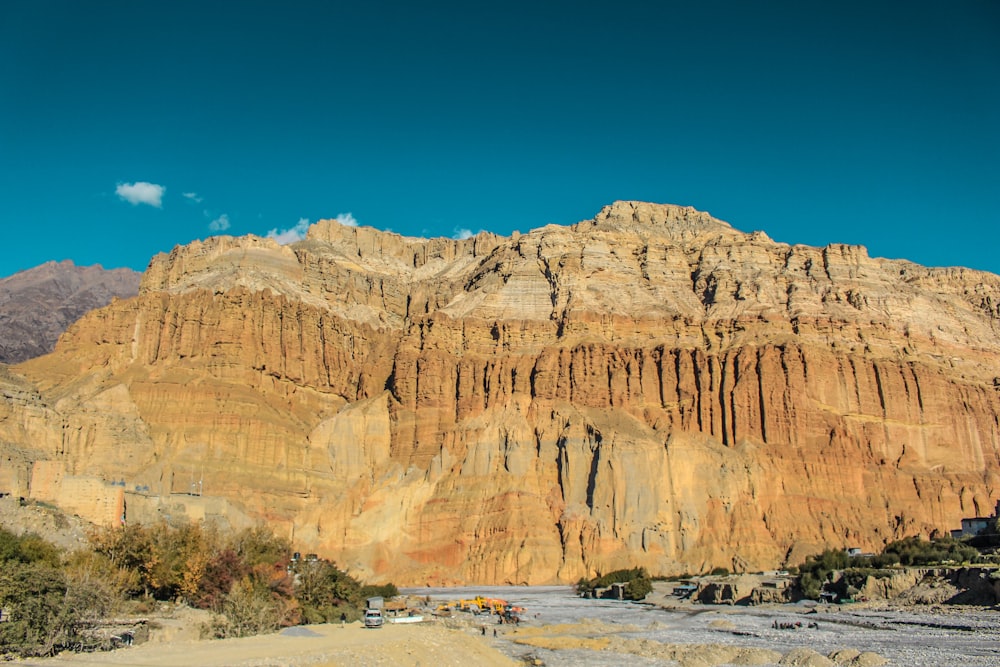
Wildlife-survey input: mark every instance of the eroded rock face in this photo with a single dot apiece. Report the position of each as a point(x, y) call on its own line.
point(651, 387)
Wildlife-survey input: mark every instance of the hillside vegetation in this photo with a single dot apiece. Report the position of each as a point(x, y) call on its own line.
point(55, 599)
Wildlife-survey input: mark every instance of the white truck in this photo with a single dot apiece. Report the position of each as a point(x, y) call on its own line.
point(373, 618)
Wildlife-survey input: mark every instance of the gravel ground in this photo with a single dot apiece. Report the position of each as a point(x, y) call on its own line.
point(906, 636)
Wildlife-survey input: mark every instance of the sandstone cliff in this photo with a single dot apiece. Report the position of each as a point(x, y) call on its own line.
point(650, 387)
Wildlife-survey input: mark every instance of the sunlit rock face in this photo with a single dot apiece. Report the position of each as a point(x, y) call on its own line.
point(651, 387)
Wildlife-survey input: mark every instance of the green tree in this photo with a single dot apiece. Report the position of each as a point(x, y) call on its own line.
point(33, 596)
point(47, 611)
point(917, 551)
point(810, 585)
point(27, 548)
point(638, 589)
point(324, 592)
point(378, 590)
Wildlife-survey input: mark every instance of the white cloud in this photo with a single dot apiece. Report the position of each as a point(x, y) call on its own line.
point(193, 196)
point(462, 233)
point(220, 224)
point(296, 233)
point(141, 192)
point(347, 220)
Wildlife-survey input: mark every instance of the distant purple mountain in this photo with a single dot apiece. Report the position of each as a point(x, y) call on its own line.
point(38, 304)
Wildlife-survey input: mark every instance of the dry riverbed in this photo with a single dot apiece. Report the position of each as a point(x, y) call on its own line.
point(562, 630)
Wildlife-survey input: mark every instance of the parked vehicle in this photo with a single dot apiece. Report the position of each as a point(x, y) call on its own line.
point(373, 618)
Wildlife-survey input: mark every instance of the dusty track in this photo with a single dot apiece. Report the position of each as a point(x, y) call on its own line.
point(319, 645)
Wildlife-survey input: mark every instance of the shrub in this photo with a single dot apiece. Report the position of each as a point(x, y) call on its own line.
point(48, 613)
point(885, 559)
point(249, 609)
point(633, 591)
point(27, 548)
point(324, 591)
point(55, 601)
point(88, 567)
point(815, 572)
point(33, 597)
point(638, 589)
point(810, 585)
point(384, 591)
point(858, 576)
point(917, 551)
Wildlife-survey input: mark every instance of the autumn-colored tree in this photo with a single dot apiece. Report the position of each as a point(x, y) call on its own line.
point(180, 555)
point(128, 548)
point(54, 601)
point(221, 571)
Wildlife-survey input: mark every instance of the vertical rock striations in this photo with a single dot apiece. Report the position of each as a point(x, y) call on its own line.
point(651, 387)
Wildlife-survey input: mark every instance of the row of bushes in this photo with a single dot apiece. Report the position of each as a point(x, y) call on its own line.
point(815, 572)
point(910, 551)
point(54, 600)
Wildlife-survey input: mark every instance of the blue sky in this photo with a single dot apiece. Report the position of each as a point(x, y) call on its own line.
point(127, 128)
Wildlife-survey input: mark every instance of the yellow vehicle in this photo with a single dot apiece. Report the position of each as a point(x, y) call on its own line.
point(492, 605)
point(476, 605)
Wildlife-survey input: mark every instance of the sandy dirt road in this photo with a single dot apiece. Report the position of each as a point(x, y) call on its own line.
point(330, 645)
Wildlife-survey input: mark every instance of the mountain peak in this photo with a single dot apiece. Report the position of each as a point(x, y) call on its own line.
point(36, 305)
point(683, 223)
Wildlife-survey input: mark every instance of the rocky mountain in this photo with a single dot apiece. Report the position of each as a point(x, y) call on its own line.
point(37, 305)
point(651, 387)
